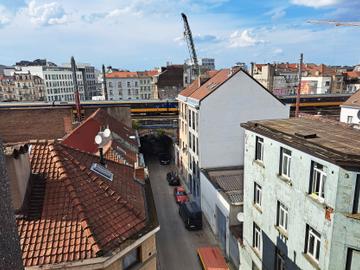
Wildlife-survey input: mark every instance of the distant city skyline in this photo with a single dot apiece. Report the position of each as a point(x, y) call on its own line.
point(143, 34)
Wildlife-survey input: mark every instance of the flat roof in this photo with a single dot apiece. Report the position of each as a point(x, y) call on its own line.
point(327, 139)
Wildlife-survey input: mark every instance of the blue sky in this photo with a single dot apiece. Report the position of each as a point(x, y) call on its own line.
point(142, 34)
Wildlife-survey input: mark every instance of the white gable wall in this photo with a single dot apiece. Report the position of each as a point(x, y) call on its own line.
point(240, 99)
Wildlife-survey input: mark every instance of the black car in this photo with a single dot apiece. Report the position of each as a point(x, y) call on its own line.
point(164, 158)
point(191, 215)
point(173, 179)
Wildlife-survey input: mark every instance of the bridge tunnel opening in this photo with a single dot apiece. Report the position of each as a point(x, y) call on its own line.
point(157, 145)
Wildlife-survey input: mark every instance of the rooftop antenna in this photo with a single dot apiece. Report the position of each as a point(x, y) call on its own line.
point(76, 90)
point(297, 109)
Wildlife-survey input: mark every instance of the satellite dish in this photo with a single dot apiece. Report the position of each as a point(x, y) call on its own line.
point(98, 139)
point(358, 114)
point(107, 133)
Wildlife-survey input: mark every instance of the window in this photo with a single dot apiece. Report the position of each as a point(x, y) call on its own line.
point(256, 237)
point(110, 84)
point(128, 84)
point(317, 180)
point(259, 152)
point(312, 243)
point(130, 259)
point(282, 216)
point(356, 208)
point(119, 84)
point(280, 262)
point(285, 162)
point(193, 118)
point(189, 118)
point(349, 119)
point(257, 194)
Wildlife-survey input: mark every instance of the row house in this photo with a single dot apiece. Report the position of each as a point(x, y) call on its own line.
point(301, 195)
point(22, 87)
point(282, 78)
point(58, 82)
point(352, 81)
point(209, 151)
point(125, 85)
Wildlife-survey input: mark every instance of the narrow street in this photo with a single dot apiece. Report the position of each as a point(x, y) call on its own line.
point(176, 246)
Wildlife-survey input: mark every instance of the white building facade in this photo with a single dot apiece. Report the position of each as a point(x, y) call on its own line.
point(124, 85)
point(350, 110)
point(58, 82)
point(301, 207)
point(210, 112)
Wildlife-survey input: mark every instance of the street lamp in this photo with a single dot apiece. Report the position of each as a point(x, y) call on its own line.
point(101, 139)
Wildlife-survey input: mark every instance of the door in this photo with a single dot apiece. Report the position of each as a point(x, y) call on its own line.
point(221, 228)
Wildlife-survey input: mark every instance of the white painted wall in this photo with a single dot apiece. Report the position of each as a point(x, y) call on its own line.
point(240, 99)
point(349, 111)
point(210, 199)
point(322, 88)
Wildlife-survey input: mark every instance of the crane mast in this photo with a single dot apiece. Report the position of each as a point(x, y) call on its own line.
point(190, 44)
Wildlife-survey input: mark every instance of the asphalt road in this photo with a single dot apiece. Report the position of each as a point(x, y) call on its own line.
point(176, 246)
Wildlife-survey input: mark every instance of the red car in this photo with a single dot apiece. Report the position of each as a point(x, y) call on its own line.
point(180, 195)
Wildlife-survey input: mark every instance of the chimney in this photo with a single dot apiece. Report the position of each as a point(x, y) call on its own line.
point(19, 170)
point(322, 69)
point(252, 68)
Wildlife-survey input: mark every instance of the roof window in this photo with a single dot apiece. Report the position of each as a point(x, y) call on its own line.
point(102, 171)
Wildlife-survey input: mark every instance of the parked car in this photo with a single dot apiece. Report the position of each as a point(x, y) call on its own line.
point(180, 195)
point(191, 215)
point(173, 179)
point(212, 258)
point(164, 158)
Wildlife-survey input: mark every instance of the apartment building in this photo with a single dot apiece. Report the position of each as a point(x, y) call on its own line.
point(58, 82)
point(210, 111)
point(282, 78)
point(131, 85)
point(89, 79)
point(21, 86)
point(350, 110)
point(301, 195)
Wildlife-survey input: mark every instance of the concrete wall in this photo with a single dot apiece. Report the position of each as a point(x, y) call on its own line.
point(346, 111)
point(239, 100)
point(19, 174)
point(303, 209)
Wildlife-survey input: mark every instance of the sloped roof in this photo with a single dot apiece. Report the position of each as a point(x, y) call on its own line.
point(199, 91)
point(354, 100)
point(83, 215)
point(83, 136)
point(229, 180)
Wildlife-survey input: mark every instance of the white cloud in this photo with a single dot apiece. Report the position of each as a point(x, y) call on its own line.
point(276, 13)
point(316, 3)
point(278, 51)
point(243, 39)
point(5, 16)
point(46, 14)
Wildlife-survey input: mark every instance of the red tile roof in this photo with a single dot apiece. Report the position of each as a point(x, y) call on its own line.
point(83, 215)
point(199, 92)
point(123, 141)
point(354, 100)
point(353, 74)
